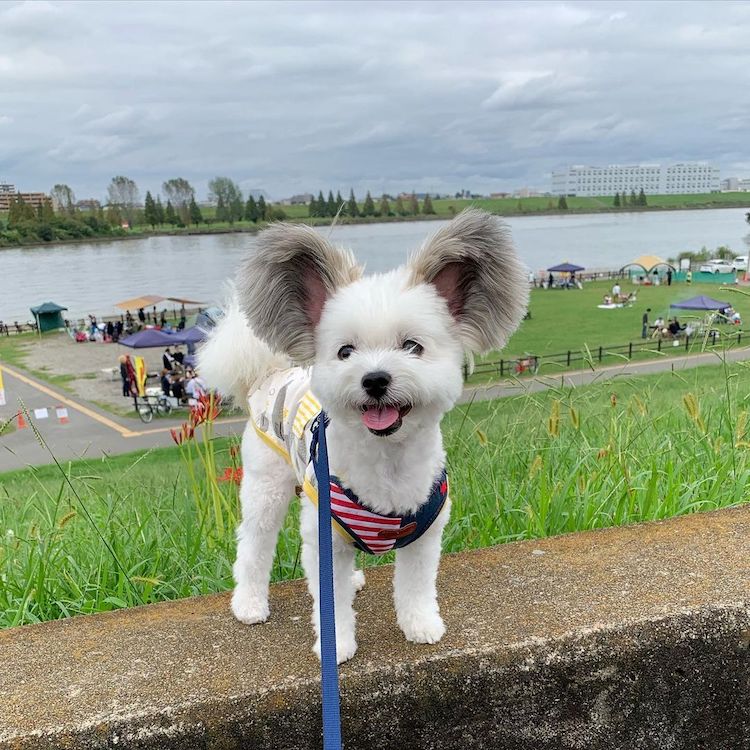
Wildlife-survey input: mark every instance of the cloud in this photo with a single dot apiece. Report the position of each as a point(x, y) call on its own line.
point(372, 95)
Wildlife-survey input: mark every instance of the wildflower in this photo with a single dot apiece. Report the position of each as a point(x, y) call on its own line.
point(207, 409)
point(234, 451)
point(553, 424)
point(185, 433)
point(231, 475)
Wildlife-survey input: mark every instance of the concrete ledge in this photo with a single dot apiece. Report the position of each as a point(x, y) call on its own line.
point(625, 638)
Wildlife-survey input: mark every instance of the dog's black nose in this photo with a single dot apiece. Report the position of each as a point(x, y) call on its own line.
point(376, 383)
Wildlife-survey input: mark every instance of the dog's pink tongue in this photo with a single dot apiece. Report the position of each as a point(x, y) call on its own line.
point(380, 419)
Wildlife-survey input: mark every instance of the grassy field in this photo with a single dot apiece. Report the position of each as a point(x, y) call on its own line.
point(94, 536)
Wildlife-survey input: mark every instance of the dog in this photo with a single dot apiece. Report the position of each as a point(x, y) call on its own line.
point(383, 356)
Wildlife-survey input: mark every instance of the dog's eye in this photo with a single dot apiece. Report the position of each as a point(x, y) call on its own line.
point(412, 347)
point(346, 351)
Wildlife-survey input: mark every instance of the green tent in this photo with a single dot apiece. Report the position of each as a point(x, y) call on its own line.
point(48, 316)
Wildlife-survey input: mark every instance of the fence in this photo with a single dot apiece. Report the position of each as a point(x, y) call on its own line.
point(530, 364)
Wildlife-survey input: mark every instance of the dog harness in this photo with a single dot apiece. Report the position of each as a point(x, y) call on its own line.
point(282, 411)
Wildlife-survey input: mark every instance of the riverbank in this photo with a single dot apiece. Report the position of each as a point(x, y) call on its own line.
point(445, 209)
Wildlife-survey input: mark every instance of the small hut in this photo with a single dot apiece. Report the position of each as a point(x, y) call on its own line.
point(48, 316)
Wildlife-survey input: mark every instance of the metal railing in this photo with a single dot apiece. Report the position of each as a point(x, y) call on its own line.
point(529, 364)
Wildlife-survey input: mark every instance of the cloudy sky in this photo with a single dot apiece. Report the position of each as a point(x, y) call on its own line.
point(391, 96)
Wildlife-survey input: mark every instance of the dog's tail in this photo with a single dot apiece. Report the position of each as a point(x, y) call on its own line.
point(233, 360)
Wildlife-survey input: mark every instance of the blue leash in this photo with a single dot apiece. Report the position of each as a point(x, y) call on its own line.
point(328, 668)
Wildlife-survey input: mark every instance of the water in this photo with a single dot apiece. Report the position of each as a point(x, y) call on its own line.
point(90, 278)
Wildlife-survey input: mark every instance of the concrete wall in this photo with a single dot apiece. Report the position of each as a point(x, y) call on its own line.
point(627, 638)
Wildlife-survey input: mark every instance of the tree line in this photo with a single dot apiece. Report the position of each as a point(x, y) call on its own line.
point(320, 206)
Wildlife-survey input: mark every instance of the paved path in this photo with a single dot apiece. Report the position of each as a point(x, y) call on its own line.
point(93, 433)
point(90, 432)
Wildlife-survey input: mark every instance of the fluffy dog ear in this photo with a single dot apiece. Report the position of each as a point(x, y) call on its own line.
point(473, 265)
point(284, 286)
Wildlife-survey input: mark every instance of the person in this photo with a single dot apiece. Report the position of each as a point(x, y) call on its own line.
point(607, 300)
point(669, 277)
point(181, 324)
point(532, 279)
point(118, 331)
point(165, 384)
point(168, 359)
point(176, 386)
point(550, 281)
point(195, 386)
point(153, 316)
point(163, 318)
point(657, 279)
point(616, 291)
point(110, 330)
point(178, 355)
point(674, 327)
point(644, 329)
point(689, 277)
point(659, 323)
point(123, 359)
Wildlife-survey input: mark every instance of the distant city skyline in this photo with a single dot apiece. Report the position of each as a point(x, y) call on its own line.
point(379, 96)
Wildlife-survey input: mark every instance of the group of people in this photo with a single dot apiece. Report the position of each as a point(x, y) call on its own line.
point(618, 298)
point(567, 280)
point(180, 380)
point(113, 331)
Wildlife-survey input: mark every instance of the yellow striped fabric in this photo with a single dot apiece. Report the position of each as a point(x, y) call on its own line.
point(309, 406)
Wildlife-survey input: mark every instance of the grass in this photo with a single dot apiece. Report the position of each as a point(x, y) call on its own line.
point(100, 535)
point(563, 320)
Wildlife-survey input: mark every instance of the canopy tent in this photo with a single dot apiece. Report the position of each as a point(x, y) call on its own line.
point(566, 268)
point(192, 335)
point(701, 303)
point(648, 263)
point(48, 316)
point(149, 300)
point(151, 338)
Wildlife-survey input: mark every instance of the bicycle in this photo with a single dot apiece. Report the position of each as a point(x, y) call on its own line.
point(151, 405)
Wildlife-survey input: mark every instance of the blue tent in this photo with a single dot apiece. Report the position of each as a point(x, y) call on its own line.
point(151, 338)
point(566, 268)
point(193, 335)
point(701, 303)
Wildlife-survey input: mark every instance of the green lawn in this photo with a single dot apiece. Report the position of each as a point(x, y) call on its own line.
point(99, 535)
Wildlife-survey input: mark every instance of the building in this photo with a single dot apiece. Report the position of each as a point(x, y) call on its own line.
point(298, 200)
point(653, 179)
point(7, 189)
point(735, 185)
point(30, 199)
point(88, 204)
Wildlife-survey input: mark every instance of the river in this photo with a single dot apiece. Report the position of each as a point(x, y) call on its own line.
point(89, 278)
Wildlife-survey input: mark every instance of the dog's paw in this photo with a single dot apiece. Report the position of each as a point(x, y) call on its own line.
point(421, 628)
point(345, 649)
point(358, 579)
point(248, 608)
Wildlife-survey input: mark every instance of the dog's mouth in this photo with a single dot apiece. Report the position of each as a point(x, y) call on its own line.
point(384, 419)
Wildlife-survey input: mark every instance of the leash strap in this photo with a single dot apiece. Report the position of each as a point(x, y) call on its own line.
point(328, 666)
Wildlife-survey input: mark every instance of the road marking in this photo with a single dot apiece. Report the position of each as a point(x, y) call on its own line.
point(124, 431)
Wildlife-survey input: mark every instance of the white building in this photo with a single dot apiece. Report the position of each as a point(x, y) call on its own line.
point(730, 185)
point(654, 179)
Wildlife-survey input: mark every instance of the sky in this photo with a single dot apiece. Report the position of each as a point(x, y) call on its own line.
point(379, 96)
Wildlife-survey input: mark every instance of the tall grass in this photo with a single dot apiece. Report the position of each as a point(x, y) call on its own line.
point(94, 536)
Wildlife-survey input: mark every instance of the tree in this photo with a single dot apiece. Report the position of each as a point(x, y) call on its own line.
point(159, 211)
point(633, 198)
point(616, 202)
point(427, 205)
point(251, 210)
point(180, 192)
point(352, 209)
point(399, 207)
point(262, 209)
point(123, 194)
point(196, 217)
point(331, 207)
point(562, 203)
point(170, 215)
point(368, 207)
point(322, 206)
point(224, 189)
point(221, 209)
point(64, 199)
point(413, 205)
point(624, 199)
point(149, 210)
point(312, 207)
point(385, 208)
point(642, 198)
point(340, 206)
point(19, 212)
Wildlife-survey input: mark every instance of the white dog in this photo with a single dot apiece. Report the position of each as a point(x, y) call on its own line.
point(386, 354)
